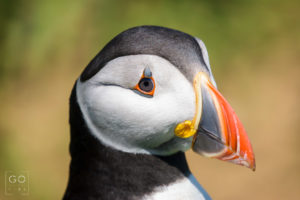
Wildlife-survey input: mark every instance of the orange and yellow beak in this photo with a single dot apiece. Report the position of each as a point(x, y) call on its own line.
point(217, 132)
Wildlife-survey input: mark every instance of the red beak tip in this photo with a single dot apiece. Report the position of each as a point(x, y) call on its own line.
point(249, 163)
point(253, 167)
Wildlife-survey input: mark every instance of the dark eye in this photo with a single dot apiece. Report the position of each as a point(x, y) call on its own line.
point(146, 85)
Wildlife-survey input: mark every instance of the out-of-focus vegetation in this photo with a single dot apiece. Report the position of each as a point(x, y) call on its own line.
point(254, 47)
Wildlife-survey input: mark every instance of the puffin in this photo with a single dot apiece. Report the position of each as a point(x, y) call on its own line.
point(146, 98)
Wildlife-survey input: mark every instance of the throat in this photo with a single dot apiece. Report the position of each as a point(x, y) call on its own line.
point(105, 173)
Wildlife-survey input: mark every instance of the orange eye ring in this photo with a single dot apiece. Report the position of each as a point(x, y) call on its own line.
point(146, 84)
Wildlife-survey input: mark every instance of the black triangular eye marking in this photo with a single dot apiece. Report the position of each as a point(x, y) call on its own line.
point(147, 72)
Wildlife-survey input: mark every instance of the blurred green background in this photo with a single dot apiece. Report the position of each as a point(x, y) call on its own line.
point(254, 49)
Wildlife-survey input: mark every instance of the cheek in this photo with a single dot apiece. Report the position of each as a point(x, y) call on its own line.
point(128, 118)
point(115, 108)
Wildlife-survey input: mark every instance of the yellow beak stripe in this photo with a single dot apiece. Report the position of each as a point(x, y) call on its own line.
point(189, 128)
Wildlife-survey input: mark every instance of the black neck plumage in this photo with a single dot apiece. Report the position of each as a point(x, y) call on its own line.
point(100, 172)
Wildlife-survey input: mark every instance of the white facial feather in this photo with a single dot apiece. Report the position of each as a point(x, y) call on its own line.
point(180, 190)
point(122, 118)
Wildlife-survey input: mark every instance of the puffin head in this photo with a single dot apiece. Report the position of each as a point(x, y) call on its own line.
point(150, 90)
